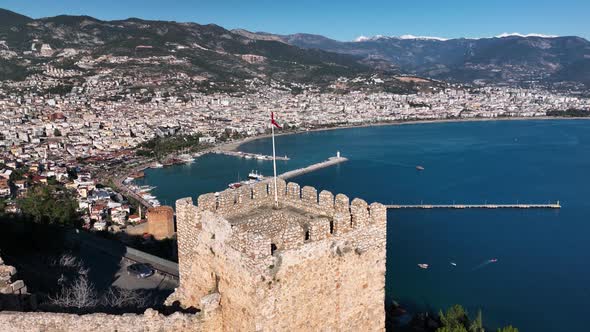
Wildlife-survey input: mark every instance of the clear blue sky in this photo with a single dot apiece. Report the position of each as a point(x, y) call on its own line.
point(342, 19)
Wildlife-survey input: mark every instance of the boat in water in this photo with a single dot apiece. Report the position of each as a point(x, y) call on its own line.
point(254, 175)
point(453, 263)
point(493, 260)
point(234, 185)
point(423, 266)
point(420, 168)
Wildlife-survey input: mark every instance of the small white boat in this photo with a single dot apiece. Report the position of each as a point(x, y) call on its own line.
point(453, 263)
point(255, 176)
point(423, 266)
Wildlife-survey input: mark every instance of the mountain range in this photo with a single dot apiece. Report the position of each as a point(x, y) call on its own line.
point(508, 58)
point(217, 53)
point(206, 50)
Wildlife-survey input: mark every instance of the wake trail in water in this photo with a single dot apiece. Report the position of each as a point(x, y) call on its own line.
point(399, 165)
point(482, 265)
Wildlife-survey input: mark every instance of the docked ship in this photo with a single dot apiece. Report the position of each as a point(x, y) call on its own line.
point(254, 175)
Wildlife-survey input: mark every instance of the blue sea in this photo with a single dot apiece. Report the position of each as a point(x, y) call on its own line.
point(541, 281)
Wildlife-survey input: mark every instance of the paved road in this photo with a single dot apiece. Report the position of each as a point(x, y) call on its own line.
point(107, 270)
point(156, 281)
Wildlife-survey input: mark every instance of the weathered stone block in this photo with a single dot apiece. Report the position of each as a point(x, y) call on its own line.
point(210, 303)
point(342, 204)
point(326, 201)
point(293, 236)
point(293, 190)
point(342, 223)
point(17, 285)
point(260, 190)
point(309, 195)
point(207, 202)
point(378, 213)
point(226, 199)
point(6, 289)
point(359, 210)
point(319, 229)
point(257, 245)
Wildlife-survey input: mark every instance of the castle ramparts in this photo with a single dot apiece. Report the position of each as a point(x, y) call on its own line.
point(313, 262)
point(312, 256)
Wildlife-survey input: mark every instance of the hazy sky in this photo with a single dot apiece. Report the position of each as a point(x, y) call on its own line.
point(343, 19)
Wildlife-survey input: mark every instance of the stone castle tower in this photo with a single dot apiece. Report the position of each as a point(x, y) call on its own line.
point(312, 263)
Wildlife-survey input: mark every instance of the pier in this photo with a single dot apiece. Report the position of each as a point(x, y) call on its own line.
point(248, 155)
point(124, 189)
point(477, 206)
point(296, 172)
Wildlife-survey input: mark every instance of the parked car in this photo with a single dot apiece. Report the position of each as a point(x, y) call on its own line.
point(141, 270)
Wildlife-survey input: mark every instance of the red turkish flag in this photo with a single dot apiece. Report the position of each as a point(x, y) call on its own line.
point(272, 120)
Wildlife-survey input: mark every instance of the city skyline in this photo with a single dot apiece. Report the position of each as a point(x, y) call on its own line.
point(344, 20)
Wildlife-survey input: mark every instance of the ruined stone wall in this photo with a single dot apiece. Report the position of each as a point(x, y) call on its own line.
point(341, 290)
point(328, 275)
point(150, 321)
point(188, 227)
point(214, 265)
point(13, 293)
point(335, 281)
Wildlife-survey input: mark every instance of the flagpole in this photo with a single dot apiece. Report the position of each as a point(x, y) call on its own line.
point(274, 163)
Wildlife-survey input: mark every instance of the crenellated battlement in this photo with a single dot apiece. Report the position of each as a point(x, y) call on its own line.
point(303, 215)
point(232, 202)
point(314, 261)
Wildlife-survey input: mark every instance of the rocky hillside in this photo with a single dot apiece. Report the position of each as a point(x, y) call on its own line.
point(507, 59)
point(207, 51)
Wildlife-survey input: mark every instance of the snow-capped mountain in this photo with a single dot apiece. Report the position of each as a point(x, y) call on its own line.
point(508, 57)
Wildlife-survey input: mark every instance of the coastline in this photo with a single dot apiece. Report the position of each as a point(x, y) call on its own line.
point(235, 145)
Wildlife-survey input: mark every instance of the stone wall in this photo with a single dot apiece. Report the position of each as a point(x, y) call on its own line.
point(150, 321)
point(13, 292)
point(317, 262)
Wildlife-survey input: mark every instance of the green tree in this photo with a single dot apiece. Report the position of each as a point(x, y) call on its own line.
point(50, 205)
point(56, 132)
point(19, 174)
point(451, 329)
point(160, 147)
point(455, 317)
point(477, 324)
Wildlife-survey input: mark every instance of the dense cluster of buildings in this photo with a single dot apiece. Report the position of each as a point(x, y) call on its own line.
point(49, 123)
